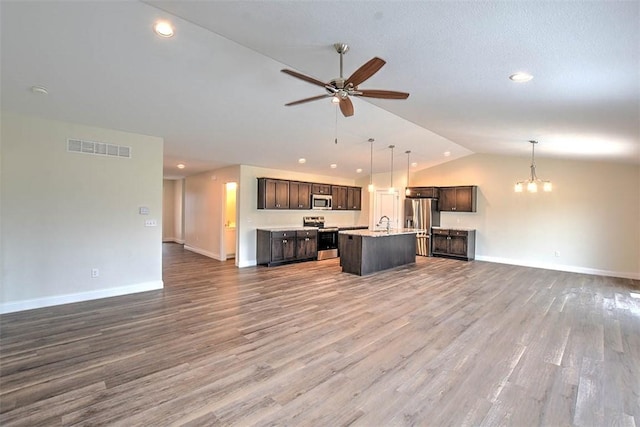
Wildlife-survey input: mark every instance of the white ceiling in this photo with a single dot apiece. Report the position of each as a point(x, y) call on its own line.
point(215, 92)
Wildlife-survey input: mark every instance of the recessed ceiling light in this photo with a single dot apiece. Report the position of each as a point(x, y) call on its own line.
point(41, 90)
point(414, 164)
point(520, 77)
point(333, 166)
point(163, 29)
point(302, 160)
point(447, 153)
point(358, 170)
point(180, 166)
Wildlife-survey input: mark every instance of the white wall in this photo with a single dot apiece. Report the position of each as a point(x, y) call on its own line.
point(64, 213)
point(591, 218)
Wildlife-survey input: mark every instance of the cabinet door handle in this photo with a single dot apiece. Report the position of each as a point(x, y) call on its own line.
point(284, 241)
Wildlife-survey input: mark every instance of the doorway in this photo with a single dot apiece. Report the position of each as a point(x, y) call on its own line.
point(385, 203)
point(229, 243)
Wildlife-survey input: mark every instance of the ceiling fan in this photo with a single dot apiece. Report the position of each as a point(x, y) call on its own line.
point(341, 89)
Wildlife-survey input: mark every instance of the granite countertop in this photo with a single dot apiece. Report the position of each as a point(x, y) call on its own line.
point(454, 228)
point(352, 227)
point(379, 233)
point(297, 228)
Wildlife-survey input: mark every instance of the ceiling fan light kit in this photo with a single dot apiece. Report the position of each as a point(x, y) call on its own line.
point(341, 89)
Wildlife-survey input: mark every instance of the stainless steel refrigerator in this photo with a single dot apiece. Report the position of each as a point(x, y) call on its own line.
point(422, 214)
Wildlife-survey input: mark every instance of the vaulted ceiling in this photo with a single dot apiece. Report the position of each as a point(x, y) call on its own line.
point(215, 92)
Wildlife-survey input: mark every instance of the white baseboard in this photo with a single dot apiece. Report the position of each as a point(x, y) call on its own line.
point(204, 252)
point(249, 263)
point(173, 240)
point(560, 267)
point(11, 307)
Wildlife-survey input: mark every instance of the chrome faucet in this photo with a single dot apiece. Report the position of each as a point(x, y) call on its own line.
point(388, 222)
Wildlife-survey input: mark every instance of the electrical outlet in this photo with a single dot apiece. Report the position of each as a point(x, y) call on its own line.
point(150, 223)
point(95, 272)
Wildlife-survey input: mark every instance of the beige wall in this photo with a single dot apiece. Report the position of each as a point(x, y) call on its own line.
point(252, 218)
point(204, 204)
point(204, 211)
point(592, 217)
point(172, 210)
point(169, 210)
point(63, 214)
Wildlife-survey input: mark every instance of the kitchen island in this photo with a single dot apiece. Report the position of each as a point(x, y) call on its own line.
point(364, 252)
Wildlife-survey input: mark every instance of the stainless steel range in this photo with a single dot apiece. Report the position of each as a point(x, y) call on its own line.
point(327, 237)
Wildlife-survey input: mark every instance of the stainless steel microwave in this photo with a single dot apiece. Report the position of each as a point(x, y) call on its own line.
point(321, 201)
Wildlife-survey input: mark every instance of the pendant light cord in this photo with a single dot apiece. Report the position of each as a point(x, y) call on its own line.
point(336, 136)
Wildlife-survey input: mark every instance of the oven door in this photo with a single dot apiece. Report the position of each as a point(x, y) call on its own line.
point(327, 244)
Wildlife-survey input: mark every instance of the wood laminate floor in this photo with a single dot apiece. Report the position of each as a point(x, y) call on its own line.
point(438, 343)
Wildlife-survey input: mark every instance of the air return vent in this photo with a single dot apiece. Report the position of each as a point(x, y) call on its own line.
point(98, 148)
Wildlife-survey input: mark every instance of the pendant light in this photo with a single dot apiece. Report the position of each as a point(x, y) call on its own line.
point(371, 188)
point(533, 181)
point(407, 192)
point(391, 189)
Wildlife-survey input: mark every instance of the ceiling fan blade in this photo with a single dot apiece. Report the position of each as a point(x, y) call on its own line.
point(365, 71)
point(303, 77)
point(385, 94)
point(302, 101)
point(346, 106)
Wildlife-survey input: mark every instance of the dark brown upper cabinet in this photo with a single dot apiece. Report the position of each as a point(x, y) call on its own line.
point(458, 199)
point(299, 195)
point(422, 192)
point(273, 193)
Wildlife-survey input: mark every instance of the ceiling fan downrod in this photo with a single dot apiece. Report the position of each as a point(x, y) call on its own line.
point(341, 48)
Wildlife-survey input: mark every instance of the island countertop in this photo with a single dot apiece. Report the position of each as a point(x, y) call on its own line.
point(380, 233)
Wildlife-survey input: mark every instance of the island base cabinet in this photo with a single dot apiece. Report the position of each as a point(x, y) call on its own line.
point(460, 244)
point(364, 255)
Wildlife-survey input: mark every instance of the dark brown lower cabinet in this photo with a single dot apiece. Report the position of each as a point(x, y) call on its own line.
point(459, 244)
point(274, 247)
point(306, 244)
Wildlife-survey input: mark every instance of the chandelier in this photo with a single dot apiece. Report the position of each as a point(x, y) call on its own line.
point(533, 181)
